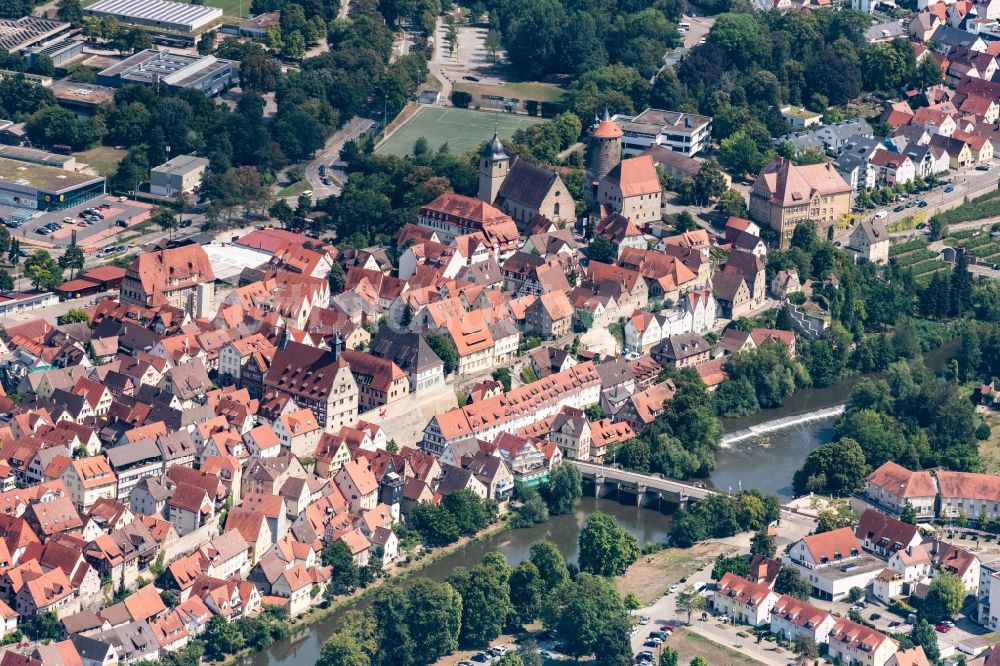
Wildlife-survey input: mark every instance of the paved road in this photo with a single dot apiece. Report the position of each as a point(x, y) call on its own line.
point(969, 183)
point(331, 154)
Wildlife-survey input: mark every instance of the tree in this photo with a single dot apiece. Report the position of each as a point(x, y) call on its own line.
point(732, 203)
point(71, 11)
point(944, 600)
point(391, 613)
point(564, 489)
point(336, 278)
point(43, 271)
point(527, 589)
point(709, 183)
point(698, 661)
point(460, 99)
point(471, 513)
point(164, 218)
point(736, 564)
point(6, 281)
point(260, 73)
point(606, 549)
point(838, 468)
point(668, 657)
point(342, 649)
point(764, 544)
point(295, 46)
point(485, 593)
point(502, 375)
point(436, 524)
point(790, 582)
point(283, 213)
point(345, 571)
point(689, 601)
point(434, 619)
point(550, 563)
point(924, 635)
point(938, 228)
point(72, 259)
point(75, 315)
point(961, 285)
point(835, 517)
point(493, 45)
point(601, 249)
point(589, 617)
point(908, 514)
point(43, 626)
point(444, 349)
point(221, 638)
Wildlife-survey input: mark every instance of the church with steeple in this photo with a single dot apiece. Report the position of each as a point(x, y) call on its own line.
point(521, 189)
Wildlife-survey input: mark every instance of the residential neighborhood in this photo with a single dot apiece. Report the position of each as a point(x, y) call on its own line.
point(516, 333)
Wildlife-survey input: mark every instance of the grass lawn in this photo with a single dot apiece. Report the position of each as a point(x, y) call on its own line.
point(103, 159)
point(690, 645)
point(651, 575)
point(536, 90)
point(461, 129)
point(989, 450)
point(294, 189)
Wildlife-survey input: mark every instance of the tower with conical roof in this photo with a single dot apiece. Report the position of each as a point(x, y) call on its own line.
point(604, 151)
point(494, 165)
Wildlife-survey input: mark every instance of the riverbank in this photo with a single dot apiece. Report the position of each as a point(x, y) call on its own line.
point(651, 575)
point(398, 575)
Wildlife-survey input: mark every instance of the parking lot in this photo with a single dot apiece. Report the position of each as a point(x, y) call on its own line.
point(90, 236)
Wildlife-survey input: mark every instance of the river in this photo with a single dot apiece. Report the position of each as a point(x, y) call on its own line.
point(743, 464)
point(649, 525)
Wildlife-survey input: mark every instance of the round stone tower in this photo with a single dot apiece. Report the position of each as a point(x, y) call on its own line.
point(604, 150)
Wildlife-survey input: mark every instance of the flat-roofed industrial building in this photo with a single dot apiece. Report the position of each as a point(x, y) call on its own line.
point(27, 32)
point(42, 157)
point(28, 185)
point(163, 14)
point(181, 174)
point(208, 74)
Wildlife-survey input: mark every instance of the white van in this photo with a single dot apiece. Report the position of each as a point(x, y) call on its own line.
point(684, 26)
point(881, 215)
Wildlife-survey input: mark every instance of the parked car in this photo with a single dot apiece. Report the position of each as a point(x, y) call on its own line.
point(644, 620)
point(899, 209)
point(921, 204)
point(949, 189)
point(481, 658)
point(122, 223)
point(667, 627)
point(983, 167)
point(104, 206)
point(874, 616)
point(943, 628)
point(673, 588)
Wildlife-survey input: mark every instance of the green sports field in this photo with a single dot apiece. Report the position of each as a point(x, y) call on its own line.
point(461, 129)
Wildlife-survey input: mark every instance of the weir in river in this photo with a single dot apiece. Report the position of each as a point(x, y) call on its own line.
point(774, 425)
